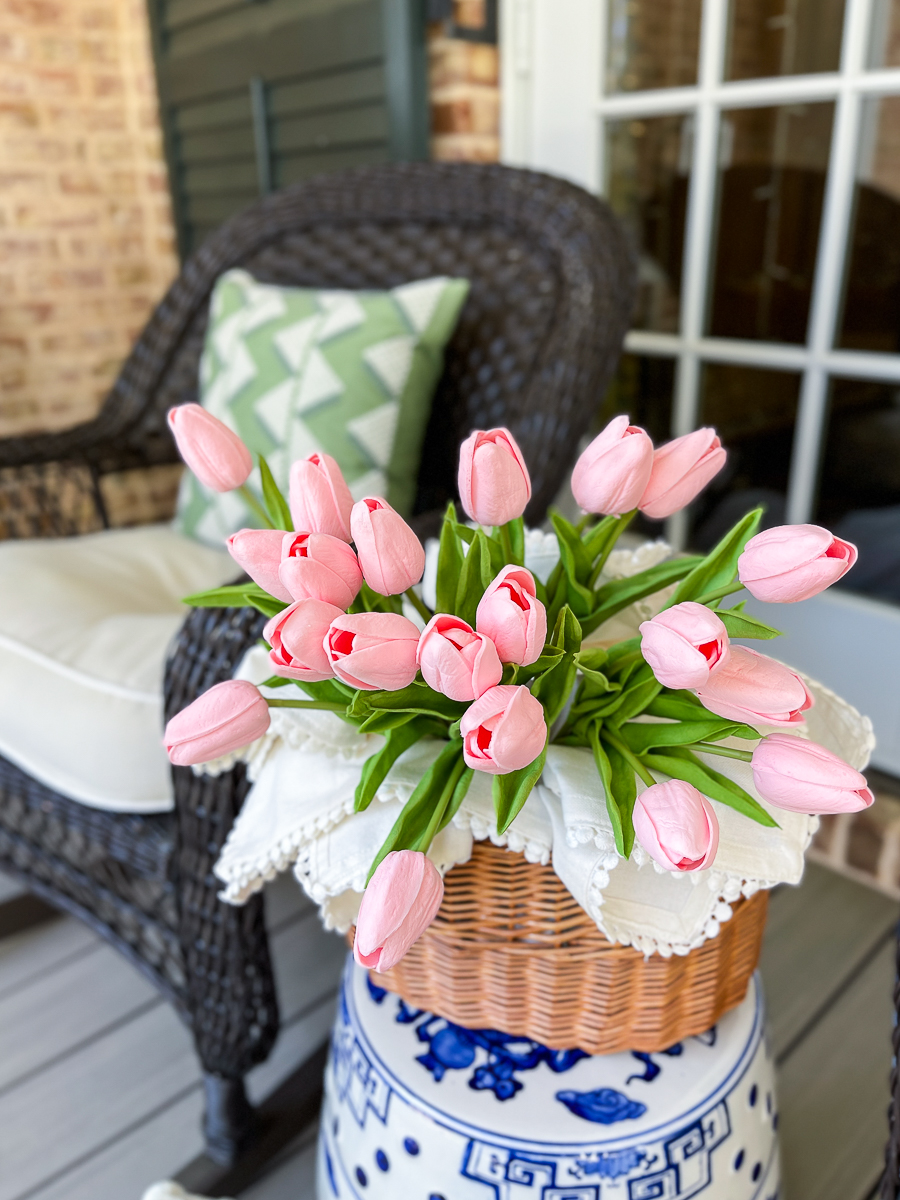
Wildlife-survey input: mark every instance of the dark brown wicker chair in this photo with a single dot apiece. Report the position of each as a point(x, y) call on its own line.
point(552, 289)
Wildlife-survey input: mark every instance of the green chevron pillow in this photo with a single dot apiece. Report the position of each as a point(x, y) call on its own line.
point(298, 370)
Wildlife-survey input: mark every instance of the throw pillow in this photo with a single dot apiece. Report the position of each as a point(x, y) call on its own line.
point(298, 370)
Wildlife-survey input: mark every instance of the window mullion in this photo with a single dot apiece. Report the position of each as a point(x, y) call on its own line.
point(827, 284)
point(698, 231)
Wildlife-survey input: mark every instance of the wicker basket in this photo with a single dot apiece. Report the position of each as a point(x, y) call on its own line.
point(511, 949)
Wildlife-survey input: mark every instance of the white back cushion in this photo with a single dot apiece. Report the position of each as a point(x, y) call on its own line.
point(85, 624)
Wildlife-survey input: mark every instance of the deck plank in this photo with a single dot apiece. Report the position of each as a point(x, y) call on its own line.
point(154, 1150)
point(83, 1101)
point(817, 936)
point(833, 1092)
point(64, 1008)
point(28, 956)
point(293, 1178)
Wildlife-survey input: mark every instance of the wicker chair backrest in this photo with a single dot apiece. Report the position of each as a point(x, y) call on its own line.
point(538, 340)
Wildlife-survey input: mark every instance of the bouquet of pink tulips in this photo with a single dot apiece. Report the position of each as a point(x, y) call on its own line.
point(501, 667)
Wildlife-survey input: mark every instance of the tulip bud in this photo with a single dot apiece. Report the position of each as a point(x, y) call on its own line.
point(373, 651)
point(804, 777)
point(457, 661)
point(215, 454)
point(513, 618)
point(752, 688)
point(320, 500)
point(610, 476)
point(504, 730)
point(676, 826)
point(228, 717)
point(683, 644)
point(296, 636)
point(391, 556)
point(681, 470)
point(258, 552)
point(494, 484)
point(793, 562)
point(317, 566)
point(399, 904)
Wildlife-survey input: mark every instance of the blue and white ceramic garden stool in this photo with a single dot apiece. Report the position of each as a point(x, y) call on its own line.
point(417, 1108)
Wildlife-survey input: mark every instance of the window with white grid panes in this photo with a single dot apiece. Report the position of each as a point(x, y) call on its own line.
point(753, 150)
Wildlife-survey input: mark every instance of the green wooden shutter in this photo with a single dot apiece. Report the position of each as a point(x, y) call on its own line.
point(256, 95)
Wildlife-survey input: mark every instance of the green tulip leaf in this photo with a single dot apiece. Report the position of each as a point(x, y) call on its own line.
point(512, 790)
point(742, 625)
point(450, 562)
point(376, 767)
point(276, 505)
point(620, 593)
point(682, 764)
point(719, 568)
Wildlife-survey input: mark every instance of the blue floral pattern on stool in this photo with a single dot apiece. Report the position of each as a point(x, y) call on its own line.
point(603, 1105)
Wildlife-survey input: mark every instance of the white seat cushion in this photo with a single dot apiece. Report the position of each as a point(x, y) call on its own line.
point(85, 624)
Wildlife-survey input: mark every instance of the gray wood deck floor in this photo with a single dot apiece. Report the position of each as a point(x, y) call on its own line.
point(100, 1091)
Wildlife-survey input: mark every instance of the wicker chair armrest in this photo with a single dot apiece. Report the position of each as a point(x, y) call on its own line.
point(209, 646)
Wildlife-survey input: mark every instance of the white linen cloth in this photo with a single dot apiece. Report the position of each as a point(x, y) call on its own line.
point(306, 768)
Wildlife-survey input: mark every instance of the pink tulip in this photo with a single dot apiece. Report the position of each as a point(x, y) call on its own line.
point(258, 552)
point(320, 500)
point(215, 454)
point(684, 644)
point(610, 476)
point(504, 730)
point(494, 484)
point(399, 904)
point(681, 470)
point(317, 566)
point(373, 651)
point(391, 556)
point(676, 826)
point(513, 618)
point(750, 687)
point(805, 777)
point(227, 717)
point(793, 562)
point(457, 661)
point(296, 636)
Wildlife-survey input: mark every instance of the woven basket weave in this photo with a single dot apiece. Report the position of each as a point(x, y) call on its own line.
point(511, 949)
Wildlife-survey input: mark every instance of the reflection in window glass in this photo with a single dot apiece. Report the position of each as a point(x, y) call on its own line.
point(783, 37)
point(884, 39)
point(753, 412)
point(652, 45)
point(648, 162)
point(772, 167)
point(859, 490)
point(871, 316)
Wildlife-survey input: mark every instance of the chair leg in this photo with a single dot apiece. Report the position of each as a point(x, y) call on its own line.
point(229, 1119)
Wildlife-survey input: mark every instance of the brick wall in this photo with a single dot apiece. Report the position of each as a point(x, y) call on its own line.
point(86, 239)
point(464, 89)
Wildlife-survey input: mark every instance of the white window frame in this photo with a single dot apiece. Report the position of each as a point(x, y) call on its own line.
point(554, 112)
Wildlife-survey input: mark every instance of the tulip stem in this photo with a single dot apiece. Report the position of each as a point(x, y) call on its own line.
point(256, 506)
point(506, 543)
point(327, 705)
point(419, 605)
point(630, 757)
point(723, 751)
point(720, 592)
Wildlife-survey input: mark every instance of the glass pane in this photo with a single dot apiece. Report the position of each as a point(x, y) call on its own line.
point(871, 316)
point(859, 491)
point(648, 162)
point(753, 412)
point(652, 45)
point(783, 37)
point(884, 40)
point(643, 388)
point(772, 166)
